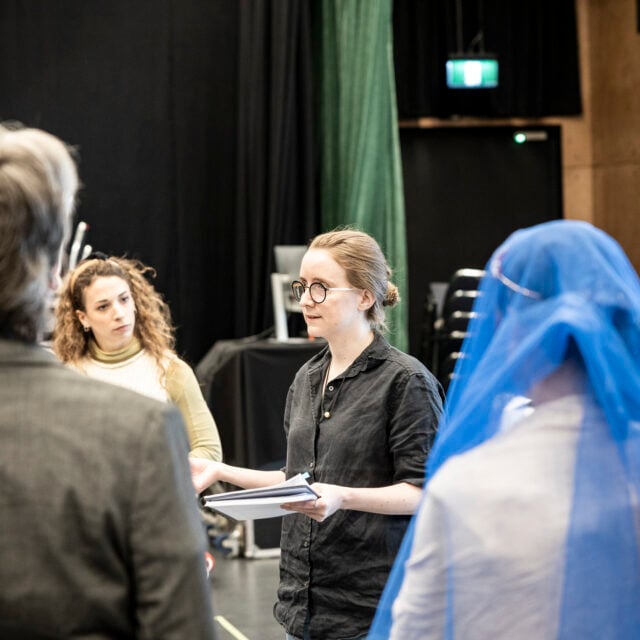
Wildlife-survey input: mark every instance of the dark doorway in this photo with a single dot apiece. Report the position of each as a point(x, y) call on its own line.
point(466, 190)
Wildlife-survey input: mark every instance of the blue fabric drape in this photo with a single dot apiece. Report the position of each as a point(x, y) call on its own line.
point(556, 291)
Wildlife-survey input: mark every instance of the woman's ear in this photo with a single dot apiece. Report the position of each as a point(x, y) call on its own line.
point(81, 316)
point(54, 278)
point(366, 300)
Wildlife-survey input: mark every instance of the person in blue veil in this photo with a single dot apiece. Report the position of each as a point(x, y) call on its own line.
point(529, 525)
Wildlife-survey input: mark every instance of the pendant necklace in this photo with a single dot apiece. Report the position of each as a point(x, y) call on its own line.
point(326, 413)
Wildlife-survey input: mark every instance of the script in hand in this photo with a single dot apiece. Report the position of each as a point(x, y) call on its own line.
point(254, 504)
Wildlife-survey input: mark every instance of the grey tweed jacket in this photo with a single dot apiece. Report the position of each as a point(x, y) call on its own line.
point(100, 535)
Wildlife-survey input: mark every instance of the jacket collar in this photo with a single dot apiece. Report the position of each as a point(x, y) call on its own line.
point(23, 353)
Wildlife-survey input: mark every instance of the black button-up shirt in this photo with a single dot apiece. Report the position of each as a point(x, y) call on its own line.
point(384, 412)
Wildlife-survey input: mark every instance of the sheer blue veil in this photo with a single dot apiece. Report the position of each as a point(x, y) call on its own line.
point(555, 291)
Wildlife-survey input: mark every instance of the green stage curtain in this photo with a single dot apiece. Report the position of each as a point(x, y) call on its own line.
point(361, 173)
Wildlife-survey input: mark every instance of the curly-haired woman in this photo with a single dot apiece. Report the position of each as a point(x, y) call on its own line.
point(111, 324)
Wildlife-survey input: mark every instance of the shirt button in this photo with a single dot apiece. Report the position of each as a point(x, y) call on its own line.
point(330, 387)
point(311, 465)
point(305, 544)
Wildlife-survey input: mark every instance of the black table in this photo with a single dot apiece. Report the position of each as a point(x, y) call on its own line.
point(245, 384)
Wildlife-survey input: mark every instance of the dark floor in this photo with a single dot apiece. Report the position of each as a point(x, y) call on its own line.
point(244, 591)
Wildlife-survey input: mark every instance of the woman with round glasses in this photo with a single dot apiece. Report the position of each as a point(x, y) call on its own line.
point(360, 417)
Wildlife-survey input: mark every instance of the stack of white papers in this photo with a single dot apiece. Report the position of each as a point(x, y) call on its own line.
point(254, 504)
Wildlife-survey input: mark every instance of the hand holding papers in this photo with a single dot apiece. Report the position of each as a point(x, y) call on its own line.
point(254, 504)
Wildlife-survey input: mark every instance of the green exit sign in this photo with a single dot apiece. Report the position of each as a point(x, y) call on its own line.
point(472, 73)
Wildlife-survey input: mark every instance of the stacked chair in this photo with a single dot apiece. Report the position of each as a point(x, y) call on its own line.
point(451, 326)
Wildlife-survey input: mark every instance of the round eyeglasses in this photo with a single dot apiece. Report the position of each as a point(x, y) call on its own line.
point(317, 290)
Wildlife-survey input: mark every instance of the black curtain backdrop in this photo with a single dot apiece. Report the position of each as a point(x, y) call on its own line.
point(276, 195)
point(191, 119)
point(535, 41)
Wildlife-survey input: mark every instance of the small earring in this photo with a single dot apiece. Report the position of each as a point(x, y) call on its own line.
point(86, 328)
